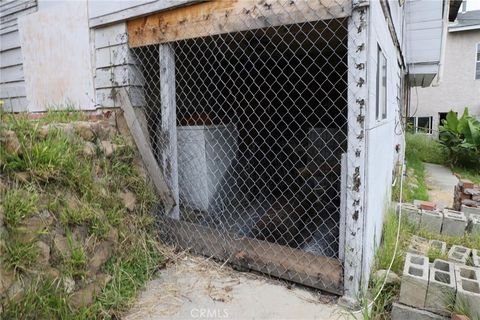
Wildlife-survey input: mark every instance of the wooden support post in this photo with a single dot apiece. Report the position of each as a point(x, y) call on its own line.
point(168, 130)
point(145, 150)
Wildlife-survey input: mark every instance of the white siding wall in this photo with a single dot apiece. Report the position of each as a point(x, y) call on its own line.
point(112, 63)
point(12, 80)
point(57, 56)
point(381, 136)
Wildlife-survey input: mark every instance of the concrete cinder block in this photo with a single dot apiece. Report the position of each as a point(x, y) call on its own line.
point(402, 312)
point(418, 245)
point(476, 257)
point(468, 293)
point(441, 287)
point(413, 289)
point(411, 212)
point(459, 254)
point(431, 220)
point(470, 210)
point(475, 224)
point(454, 223)
point(440, 246)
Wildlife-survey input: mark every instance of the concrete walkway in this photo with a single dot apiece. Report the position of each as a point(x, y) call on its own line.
point(441, 183)
point(196, 288)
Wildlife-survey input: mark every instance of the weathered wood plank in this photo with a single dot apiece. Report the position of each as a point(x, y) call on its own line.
point(18, 104)
point(11, 74)
point(113, 56)
point(107, 98)
point(144, 148)
point(137, 10)
point(118, 76)
point(21, 6)
point(111, 35)
point(14, 16)
point(168, 129)
point(9, 40)
point(280, 261)
point(12, 90)
point(217, 17)
point(10, 57)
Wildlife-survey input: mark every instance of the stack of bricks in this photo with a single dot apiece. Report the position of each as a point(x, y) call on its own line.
point(466, 195)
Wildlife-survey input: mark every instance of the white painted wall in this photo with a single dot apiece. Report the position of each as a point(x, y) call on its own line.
point(57, 56)
point(457, 88)
point(381, 136)
point(12, 80)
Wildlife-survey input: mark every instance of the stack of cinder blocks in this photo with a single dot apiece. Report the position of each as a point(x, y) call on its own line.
point(427, 215)
point(428, 289)
point(467, 194)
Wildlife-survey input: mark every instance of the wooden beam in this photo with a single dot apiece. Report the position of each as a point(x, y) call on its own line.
point(224, 16)
point(168, 134)
point(145, 150)
point(279, 261)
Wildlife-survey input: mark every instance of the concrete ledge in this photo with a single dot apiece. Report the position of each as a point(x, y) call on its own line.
point(402, 312)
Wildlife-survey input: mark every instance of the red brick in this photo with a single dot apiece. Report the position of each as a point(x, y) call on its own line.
point(428, 205)
point(464, 196)
point(467, 184)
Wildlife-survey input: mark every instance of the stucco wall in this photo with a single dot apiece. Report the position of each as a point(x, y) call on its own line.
point(381, 136)
point(457, 88)
point(57, 56)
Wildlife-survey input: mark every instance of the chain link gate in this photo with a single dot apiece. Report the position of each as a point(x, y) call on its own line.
point(255, 154)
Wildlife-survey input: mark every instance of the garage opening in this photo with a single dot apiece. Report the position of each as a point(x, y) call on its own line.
point(261, 126)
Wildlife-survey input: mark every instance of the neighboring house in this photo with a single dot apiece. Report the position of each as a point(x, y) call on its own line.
point(277, 124)
point(458, 85)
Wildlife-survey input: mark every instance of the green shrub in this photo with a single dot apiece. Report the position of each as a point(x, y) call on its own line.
point(461, 138)
point(425, 148)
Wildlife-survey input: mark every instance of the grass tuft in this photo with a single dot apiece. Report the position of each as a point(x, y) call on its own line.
point(424, 148)
point(19, 203)
point(21, 256)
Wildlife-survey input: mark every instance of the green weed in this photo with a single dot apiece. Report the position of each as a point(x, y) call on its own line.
point(43, 299)
point(76, 263)
point(21, 256)
point(424, 148)
point(19, 204)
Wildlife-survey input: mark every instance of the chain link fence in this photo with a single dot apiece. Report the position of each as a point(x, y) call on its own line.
point(261, 126)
